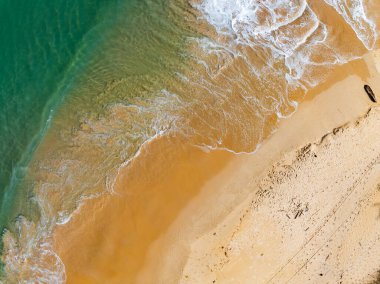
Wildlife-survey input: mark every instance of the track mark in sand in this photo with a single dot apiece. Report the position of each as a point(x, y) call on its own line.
point(319, 231)
point(377, 205)
point(345, 221)
point(343, 204)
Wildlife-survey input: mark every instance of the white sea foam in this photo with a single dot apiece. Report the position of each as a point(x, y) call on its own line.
point(29, 256)
point(71, 179)
point(246, 18)
point(289, 30)
point(353, 11)
point(281, 40)
point(278, 47)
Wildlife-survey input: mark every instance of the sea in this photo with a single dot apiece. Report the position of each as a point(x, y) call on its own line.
point(85, 84)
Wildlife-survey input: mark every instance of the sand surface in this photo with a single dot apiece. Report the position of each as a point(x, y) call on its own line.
point(299, 207)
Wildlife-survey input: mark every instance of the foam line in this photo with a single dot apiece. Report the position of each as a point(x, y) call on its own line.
point(354, 14)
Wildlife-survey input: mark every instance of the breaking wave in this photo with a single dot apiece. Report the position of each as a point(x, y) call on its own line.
point(260, 57)
point(353, 11)
point(286, 32)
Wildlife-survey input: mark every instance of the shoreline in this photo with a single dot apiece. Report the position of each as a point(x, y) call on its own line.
point(302, 214)
point(202, 142)
point(341, 103)
point(222, 183)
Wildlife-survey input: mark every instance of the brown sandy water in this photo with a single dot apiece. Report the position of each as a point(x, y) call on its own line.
point(107, 241)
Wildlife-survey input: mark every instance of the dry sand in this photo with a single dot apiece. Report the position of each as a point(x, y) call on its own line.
point(291, 211)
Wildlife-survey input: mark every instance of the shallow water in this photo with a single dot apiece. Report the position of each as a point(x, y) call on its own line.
point(39, 43)
point(216, 74)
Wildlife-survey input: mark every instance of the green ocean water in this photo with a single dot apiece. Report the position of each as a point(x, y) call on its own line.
point(43, 43)
point(69, 66)
point(79, 98)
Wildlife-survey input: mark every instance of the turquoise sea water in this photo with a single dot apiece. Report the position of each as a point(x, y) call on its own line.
point(69, 69)
point(42, 42)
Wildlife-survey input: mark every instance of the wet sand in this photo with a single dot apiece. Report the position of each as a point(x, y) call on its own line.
point(176, 205)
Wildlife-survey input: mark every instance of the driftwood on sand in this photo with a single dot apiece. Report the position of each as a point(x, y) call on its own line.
point(370, 93)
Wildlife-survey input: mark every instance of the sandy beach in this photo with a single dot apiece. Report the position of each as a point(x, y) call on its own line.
point(190, 141)
point(303, 208)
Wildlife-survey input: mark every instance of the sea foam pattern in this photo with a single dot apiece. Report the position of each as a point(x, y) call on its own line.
point(354, 13)
point(289, 31)
point(252, 60)
point(66, 180)
point(261, 53)
point(29, 255)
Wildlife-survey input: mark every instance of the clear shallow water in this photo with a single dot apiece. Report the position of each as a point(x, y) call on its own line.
point(107, 102)
point(40, 42)
point(210, 71)
point(44, 45)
